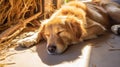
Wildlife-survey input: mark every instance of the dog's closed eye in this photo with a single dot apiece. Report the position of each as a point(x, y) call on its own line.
point(58, 33)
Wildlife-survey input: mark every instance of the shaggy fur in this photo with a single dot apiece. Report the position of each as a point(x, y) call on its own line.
point(72, 23)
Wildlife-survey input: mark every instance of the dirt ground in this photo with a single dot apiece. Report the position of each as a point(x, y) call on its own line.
point(101, 52)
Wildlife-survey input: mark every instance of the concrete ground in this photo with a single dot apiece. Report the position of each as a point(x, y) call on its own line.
point(101, 52)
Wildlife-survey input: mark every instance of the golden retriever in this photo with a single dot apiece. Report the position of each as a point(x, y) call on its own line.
point(74, 22)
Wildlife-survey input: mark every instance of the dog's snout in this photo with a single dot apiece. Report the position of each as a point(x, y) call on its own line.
point(52, 48)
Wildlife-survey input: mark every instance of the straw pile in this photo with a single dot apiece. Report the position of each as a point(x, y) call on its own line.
point(16, 14)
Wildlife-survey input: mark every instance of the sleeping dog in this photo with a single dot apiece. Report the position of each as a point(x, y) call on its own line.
point(74, 22)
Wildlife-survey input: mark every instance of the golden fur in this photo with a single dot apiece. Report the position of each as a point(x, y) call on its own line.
point(69, 26)
point(72, 23)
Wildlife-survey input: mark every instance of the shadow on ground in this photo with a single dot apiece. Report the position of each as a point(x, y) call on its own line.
point(71, 54)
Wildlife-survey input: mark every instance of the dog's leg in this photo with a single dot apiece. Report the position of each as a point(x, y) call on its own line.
point(93, 29)
point(29, 41)
point(33, 39)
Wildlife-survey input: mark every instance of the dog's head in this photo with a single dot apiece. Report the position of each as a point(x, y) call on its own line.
point(61, 32)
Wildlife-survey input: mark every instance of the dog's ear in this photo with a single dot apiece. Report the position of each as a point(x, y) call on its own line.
point(75, 28)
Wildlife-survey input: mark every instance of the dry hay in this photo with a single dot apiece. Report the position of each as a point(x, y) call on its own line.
point(14, 11)
point(16, 14)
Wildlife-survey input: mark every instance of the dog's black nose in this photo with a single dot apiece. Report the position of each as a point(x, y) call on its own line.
point(52, 49)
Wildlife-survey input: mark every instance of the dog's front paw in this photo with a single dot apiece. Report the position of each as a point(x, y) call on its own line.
point(28, 41)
